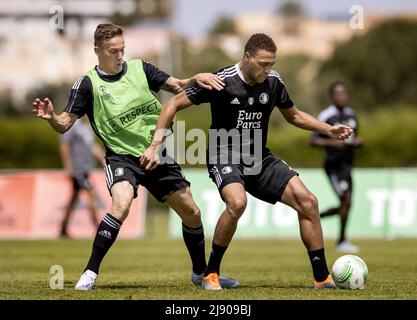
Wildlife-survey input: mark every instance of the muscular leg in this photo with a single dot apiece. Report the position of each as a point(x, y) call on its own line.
point(107, 231)
point(183, 204)
point(297, 196)
point(234, 195)
point(122, 196)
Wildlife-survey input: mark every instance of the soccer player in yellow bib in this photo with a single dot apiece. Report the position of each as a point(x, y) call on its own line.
point(117, 97)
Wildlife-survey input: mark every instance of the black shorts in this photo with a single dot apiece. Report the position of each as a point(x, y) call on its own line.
point(340, 176)
point(81, 181)
point(268, 185)
point(160, 182)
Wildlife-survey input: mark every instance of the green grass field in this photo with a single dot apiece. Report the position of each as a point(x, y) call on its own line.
point(157, 267)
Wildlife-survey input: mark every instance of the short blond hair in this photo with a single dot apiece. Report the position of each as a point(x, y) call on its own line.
point(106, 31)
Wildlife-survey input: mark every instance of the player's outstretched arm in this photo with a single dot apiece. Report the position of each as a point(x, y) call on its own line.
point(207, 81)
point(44, 109)
point(149, 159)
point(308, 122)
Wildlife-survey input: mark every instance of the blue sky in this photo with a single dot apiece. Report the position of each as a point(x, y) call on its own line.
point(195, 17)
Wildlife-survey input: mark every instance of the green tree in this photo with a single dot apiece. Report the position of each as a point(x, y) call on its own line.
point(379, 67)
point(142, 10)
point(292, 12)
point(223, 25)
point(7, 105)
point(291, 9)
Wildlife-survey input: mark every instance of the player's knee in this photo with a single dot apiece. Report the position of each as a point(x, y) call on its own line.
point(120, 211)
point(309, 205)
point(194, 214)
point(236, 207)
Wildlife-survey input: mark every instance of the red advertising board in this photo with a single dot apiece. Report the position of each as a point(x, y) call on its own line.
point(32, 205)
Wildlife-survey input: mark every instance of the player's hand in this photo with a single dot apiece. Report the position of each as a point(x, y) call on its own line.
point(43, 109)
point(340, 131)
point(150, 159)
point(209, 81)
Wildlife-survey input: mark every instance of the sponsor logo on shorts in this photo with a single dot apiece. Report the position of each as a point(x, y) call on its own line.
point(119, 172)
point(227, 170)
point(343, 185)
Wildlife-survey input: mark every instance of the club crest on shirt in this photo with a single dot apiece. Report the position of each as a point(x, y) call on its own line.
point(227, 170)
point(264, 98)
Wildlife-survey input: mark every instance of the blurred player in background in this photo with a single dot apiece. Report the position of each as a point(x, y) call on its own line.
point(117, 97)
point(339, 157)
point(252, 91)
point(78, 153)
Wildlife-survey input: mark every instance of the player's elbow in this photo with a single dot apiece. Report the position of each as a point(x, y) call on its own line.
point(295, 119)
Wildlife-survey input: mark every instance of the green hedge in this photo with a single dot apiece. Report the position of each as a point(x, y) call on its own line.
point(389, 135)
point(28, 143)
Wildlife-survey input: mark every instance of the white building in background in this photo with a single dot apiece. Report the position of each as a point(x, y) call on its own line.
point(33, 52)
point(313, 37)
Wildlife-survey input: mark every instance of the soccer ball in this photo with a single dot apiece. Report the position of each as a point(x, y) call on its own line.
point(350, 272)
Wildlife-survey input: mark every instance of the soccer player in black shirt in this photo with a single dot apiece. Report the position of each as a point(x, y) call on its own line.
point(339, 157)
point(241, 162)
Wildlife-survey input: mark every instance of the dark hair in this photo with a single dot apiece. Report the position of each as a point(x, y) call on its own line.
point(334, 85)
point(260, 41)
point(106, 31)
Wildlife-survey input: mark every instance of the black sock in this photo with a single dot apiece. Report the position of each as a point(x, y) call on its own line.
point(216, 256)
point(106, 234)
point(194, 241)
point(318, 262)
